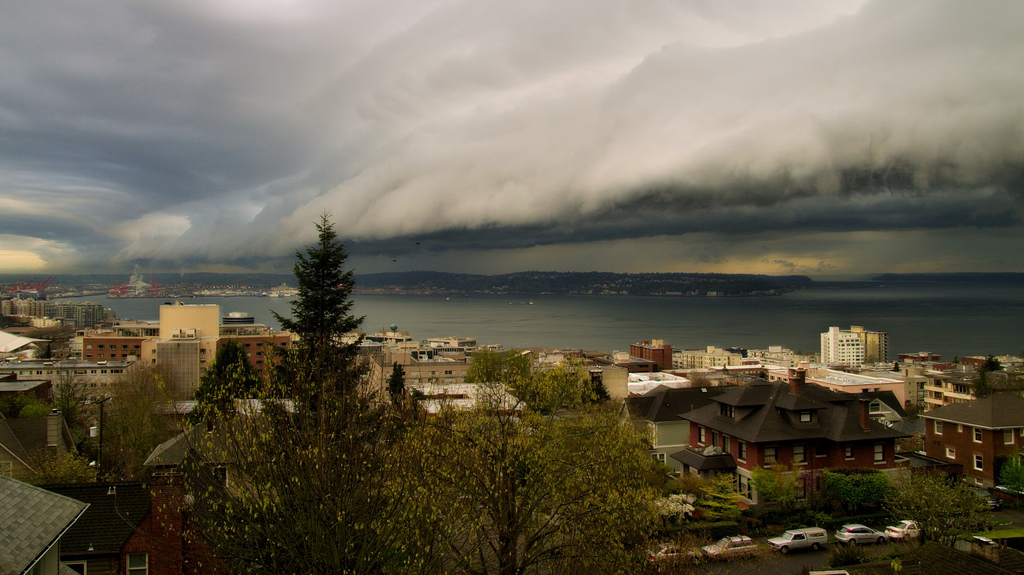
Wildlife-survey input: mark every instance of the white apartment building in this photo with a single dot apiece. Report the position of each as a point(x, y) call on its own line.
point(853, 347)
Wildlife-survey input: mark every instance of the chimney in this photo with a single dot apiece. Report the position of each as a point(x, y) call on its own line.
point(865, 419)
point(796, 379)
point(53, 421)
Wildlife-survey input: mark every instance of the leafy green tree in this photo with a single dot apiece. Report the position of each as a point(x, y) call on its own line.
point(778, 484)
point(1012, 473)
point(310, 478)
point(231, 376)
point(509, 368)
point(719, 499)
point(396, 383)
point(854, 488)
point(944, 507)
point(514, 491)
point(62, 468)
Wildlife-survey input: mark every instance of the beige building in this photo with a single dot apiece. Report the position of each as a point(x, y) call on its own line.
point(707, 358)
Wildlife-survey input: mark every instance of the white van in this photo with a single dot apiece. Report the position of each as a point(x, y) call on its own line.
point(804, 538)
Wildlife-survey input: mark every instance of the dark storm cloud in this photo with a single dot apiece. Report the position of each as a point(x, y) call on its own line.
point(201, 134)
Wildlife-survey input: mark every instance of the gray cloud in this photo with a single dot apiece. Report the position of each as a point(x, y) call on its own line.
point(208, 134)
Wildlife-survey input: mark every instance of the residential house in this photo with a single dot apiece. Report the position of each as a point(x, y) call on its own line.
point(659, 411)
point(976, 434)
point(800, 424)
point(32, 523)
point(23, 441)
point(131, 528)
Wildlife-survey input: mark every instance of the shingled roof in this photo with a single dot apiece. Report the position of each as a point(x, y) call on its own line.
point(936, 559)
point(115, 512)
point(771, 416)
point(1000, 410)
point(31, 521)
point(667, 403)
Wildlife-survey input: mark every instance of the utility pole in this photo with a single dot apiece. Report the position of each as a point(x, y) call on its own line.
point(99, 449)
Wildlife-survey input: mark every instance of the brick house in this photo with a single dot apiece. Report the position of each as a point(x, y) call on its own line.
point(974, 434)
point(803, 425)
point(657, 413)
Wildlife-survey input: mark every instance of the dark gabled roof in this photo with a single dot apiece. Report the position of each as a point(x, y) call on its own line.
point(888, 398)
point(115, 512)
point(837, 415)
point(31, 519)
point(9, 442)
point(936, 559)
point(668, 403)
point(717, 461)
point(996, 411)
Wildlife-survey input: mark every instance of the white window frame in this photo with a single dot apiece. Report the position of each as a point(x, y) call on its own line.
point(137, 570)
point(806, 416)
point(978, 437)
point(79, 563)
point(979, 462)
point(950, 453)
point(937, 426)
point(876, 459)
point(1007, 434)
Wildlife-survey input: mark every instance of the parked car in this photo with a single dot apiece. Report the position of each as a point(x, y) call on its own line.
point(855, 533)
point(986, 497)
point(733, 546)
point(805, 538)
point(904, 530)
point(669, 553)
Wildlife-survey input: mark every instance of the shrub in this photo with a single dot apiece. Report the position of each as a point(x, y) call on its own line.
point(713, 530)
point(843, 555)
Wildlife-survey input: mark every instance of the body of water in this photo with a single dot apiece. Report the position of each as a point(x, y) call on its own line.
point(950, 321)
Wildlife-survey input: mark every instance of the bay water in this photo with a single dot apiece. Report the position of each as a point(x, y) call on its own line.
point(950, 320)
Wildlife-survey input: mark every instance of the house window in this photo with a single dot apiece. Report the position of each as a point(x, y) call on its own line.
point(950, 453)
point(742, 451)
point(659, 457)
point(820, 450)
point(977, 435)
point(978, 463)
point(849, 452)
point(726, 410)
point(875, 407)
point(77, 567)
point(959, 428)
point(938, 427)
point(701, 435)
point(138, 563)
point(799, 454)
point(1008, 436)
point(714, 438)
point(805, 417)
point(726, 444)
point(879, 453)
point(743, 486)
point(770, 454)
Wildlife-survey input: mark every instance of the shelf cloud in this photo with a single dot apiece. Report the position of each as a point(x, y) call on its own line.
point(481, 136)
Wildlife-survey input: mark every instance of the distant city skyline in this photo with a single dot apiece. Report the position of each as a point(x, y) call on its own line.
point(828, 139)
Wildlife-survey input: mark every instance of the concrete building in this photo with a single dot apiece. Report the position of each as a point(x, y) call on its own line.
point(854, 347)
point(707, 358)
point(782, 356)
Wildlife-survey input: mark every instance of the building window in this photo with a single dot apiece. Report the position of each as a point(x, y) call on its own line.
point(938, 427)
point(849, 452)
point(743, 486)
point(959, 428)
point(741, 451)
point(726, 410)
point(726, 444)
point(77, 567)
point(714, 438)
point(978, 463)
point(659, 457)
point(799, 454)
point(950, 453)
point(138, 563)
point(805, 417)
point(977, 435)
point(820, 450)
point(879, 453)
point(875, 407)
point(701, 435)
point(770, 455)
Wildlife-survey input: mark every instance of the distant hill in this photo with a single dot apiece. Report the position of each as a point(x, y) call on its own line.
point(1004, 278)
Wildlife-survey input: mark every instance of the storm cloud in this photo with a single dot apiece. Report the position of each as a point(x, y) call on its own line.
point(784, 137)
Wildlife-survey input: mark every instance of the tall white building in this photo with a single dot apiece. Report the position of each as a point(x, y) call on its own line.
point(841, 346)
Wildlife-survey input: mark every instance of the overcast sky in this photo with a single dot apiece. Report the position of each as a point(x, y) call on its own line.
point(488, 136)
